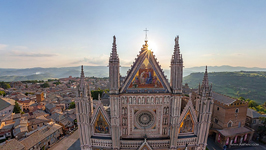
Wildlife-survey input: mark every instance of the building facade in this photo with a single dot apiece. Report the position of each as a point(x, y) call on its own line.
point(145, 110)
point(228, 122)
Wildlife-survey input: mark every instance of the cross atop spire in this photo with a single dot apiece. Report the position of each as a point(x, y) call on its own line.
point(146, 36)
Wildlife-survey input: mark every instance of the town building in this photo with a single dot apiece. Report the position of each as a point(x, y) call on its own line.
point(145, 110)
point(26, 104)
point(6, 106)
point(43, 138)
point(228, 121)
point(253, 119)
point(40, 97)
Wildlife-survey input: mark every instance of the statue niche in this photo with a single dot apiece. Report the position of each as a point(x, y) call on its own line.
point(187, 124)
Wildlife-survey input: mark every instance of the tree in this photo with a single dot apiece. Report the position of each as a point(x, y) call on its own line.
point(95, 93)
point(5, 85)
point(57, 83)
point(16, 108)
point(242, 98)
point(72, 105)
point(252, 103)
point(45, 85)
point(3, 93)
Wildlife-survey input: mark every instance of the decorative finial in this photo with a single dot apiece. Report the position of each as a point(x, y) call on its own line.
point(146, 37)
point(114, 39)
point(177, 39)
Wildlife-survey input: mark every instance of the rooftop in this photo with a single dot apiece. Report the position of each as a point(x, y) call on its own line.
point(222, 98)
point(253, 114)
point(12, 144)
point(3, 104)
point(40, 135)
point(234, 131)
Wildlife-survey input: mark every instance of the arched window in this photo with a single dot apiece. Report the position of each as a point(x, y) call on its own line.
point(216, 120)
point(217, 108)
point(123, 102)
point(229, 124)
point(237, 110)
point(134, 100)
point(157, 100)
point(130, 100)
point(167, 110)
point(125, 111)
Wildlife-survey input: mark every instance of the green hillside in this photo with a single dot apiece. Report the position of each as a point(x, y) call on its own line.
point(248, 84)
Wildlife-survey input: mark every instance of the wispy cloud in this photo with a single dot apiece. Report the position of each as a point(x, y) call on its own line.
point(126, 62)
point(21, 47)
point(30, 54)
point(2, 46)
point(209, 55)
point(99, 61)
point(237, 54)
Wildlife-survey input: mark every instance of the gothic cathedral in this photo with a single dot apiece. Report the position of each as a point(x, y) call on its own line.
point(146, 112)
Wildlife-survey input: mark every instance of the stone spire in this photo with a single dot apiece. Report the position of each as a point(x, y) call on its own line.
point(176, 68)
point(114, 74)
point(177, 57)
point(205, 89)
point(205, 105)
point(205, 81)
point(82, 72)
point(82, 91)
point(84, 111)
point(114, 55)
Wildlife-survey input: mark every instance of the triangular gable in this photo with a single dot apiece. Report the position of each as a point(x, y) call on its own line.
point(146, 74)
point(188, 110)
point(145, 146)
point(100, 120)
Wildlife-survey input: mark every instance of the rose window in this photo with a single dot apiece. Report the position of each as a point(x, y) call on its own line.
point(145, 119)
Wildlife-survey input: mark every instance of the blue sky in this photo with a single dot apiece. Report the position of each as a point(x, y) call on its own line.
point(62, 33)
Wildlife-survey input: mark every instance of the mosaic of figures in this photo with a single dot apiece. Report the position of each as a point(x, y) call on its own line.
point(187, 124)
point(145, 100)
point(101, 126)
point(146, 77)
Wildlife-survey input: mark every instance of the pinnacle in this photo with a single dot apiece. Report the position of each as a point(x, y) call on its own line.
point(114, 51)
point(205, 81)
point(82, 72)
point(177, 57)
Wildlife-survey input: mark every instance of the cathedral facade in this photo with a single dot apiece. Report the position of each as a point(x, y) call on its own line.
point(146, 112)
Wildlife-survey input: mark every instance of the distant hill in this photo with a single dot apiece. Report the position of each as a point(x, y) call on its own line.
point(97, 71)
point(237, 81)
point(248, 84)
